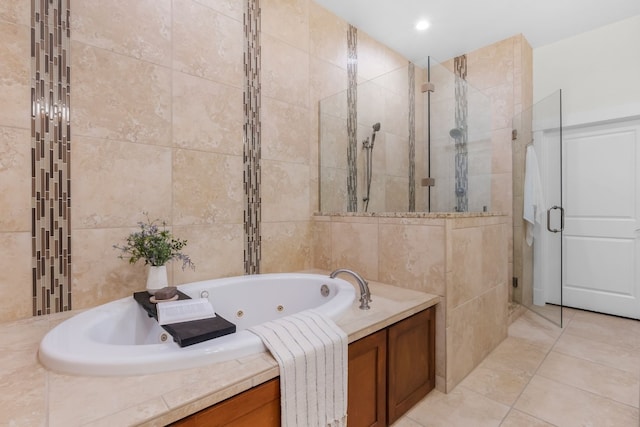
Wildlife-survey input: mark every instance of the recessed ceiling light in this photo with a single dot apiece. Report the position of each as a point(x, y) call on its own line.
point(422, 25)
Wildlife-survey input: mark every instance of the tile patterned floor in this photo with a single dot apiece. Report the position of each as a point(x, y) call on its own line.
point(586, 374)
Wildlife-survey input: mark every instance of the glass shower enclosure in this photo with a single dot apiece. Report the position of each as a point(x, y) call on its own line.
point(423, 144)
point(538, 213)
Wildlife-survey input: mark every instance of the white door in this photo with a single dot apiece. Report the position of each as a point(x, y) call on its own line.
point(601, 243)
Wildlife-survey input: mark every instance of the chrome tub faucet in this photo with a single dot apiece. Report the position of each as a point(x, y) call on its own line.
point(365, 294)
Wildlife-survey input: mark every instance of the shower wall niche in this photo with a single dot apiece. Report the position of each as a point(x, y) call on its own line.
point(405, 135)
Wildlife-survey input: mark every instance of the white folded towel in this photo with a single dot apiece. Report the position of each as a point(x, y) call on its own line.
point(533, 208)
point(312, 353)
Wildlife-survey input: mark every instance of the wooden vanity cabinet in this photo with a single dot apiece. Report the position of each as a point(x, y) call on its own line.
point(367, 381)
point(411, 372)
point(258, 406)
point(389, 372)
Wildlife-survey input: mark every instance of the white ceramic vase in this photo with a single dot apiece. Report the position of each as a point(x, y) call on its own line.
point(157, 278)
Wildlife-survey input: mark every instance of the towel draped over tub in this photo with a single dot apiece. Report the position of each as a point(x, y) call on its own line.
point(312, 353)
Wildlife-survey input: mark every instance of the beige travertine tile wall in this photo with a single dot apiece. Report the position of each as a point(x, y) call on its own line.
point(157, 126)
point(157, 116)
point(382, 97)
point(503, 72)
point(15, 160)
point(461, 258)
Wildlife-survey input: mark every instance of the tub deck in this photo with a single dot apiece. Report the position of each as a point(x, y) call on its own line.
point(40, 397)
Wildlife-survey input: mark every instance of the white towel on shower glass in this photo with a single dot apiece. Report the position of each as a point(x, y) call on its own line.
point(311, 351)
point(533, 209)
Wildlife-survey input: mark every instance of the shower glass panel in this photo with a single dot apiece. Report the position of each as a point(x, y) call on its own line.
point(537, 195)
point(460, 150)
point(389, 169)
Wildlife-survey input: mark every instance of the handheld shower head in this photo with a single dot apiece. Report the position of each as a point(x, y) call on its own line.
point(455, 133)
point(376, 128)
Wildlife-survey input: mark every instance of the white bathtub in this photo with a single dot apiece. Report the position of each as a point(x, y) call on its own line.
point(119, 338)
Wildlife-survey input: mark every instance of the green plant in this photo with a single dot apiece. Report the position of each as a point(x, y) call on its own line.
point(155, 244)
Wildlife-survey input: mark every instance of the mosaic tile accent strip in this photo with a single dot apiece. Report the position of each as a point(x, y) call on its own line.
point(412, 137)
point(461, 157)
point(50, 156)
point(352, 119)
point(252, 138)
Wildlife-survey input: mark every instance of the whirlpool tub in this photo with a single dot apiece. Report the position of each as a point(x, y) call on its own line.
point(119, 338)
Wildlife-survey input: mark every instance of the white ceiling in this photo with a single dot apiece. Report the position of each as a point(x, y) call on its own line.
point(461, 26)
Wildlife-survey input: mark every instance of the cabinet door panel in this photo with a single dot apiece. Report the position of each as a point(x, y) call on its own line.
point(411, 363)
point(259, 406)
point(367, 381)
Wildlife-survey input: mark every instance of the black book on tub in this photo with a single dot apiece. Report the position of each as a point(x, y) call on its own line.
point(193, 331)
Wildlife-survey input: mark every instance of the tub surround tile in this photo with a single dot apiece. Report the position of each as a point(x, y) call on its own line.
point(355, 244)
point(99, 276)
point(131, 171)
point(375, 59)
point(296, 15)
point(326, 81)
point(285, 72)
point(285, 246)
point(203, 191)
point(465, 263)
point(15, 267)
point(15, 11)
point(327, 36)
point(321, 246)
point(284, 191)
point(26, 403)
point(103, 107)
point(221, 61)
point(492, 65)
point(231, 8)
point(143, 33)
point(423, 266)
point(215, 249)
point(47, 398)
point(15, 190)
point(216, 107)
point(15, 70)
point(130, 416)
point(285, 132)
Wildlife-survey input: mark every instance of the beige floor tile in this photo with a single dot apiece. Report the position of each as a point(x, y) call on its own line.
point(569, 406)
point(590, 376)
point(501, 384)
point(516, 418)
point(406, 422)
point(624, 333)
point(606, 354)
point(535, 330)
point(460, 408)
point(515, 353)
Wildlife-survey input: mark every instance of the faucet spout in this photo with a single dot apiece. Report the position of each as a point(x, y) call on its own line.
point(365, 294)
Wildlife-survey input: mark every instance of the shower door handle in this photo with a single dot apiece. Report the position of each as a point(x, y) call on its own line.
point(555, 230)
